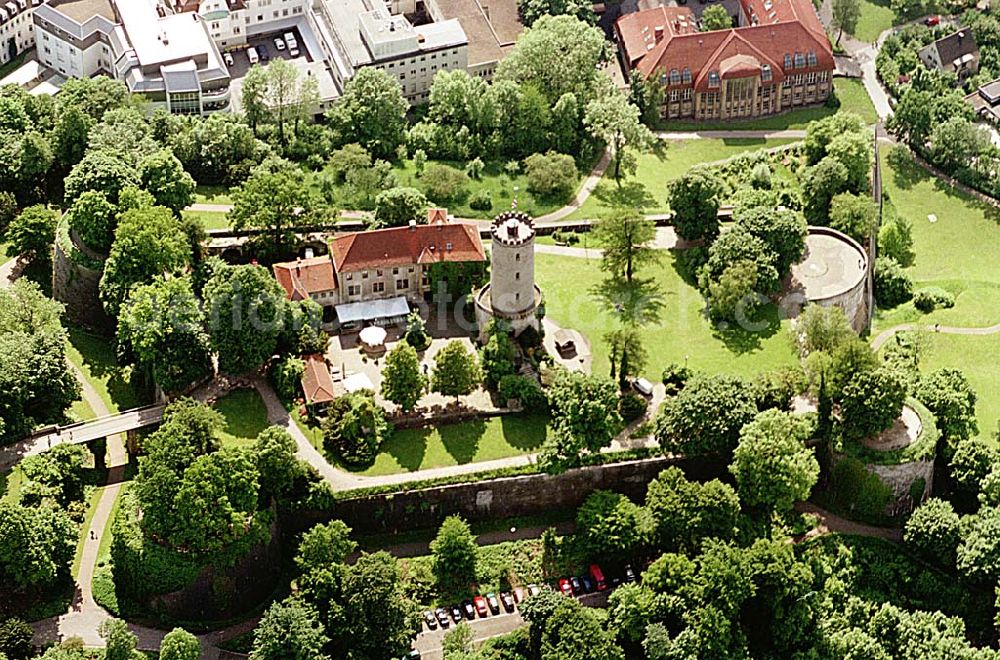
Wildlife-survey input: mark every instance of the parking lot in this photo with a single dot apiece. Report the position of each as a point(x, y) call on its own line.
point(241, 62)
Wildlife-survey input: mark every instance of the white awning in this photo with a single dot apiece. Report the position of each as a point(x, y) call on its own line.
point(373, 309)
point(359, 381)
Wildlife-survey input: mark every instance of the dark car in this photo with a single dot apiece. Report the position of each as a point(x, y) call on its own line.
point(262, 51)
point(442, 617)
point(481, 608)
point(588, 585)
point(615, 581)
point(491, 600)
point(629, 574)
point(507, 600)
point(577, 587)
point(430, 620)
point(565, 587)
point(456, 613)
point(469, 609)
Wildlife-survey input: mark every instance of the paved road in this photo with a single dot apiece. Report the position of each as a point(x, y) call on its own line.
point(790, 133)
point(831, 522)
point(885, 335)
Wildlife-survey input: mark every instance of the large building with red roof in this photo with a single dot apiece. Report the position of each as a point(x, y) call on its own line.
point(778, 58)
point(381, 264)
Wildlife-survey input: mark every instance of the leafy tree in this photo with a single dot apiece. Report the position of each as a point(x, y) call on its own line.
point(537, 610)
point(36, 544)
point(611, 527)
point(220, 148)
point(456, 371)
point(15, 640)
point(364, 184)
point(820, 185)
point(948, 394)
point(416, 332)
point(164, 177)
point(893, 285)
point(819, 134)
point(550, 175)
point(694, 200)
point(526, 390)
point(855, 215)
point(772, 466)
point(289, 630)
point(119, 641)
point(100, 171)
point(978, 556)
point(282, 96)
point(853, 150)
point(69, 138)
point(614, 121)
point(32, 233)
point(276, 461)
point(584, 413)
point(246, 309)
point(402, 381)
point(253, 96)
point(558, 55)
point(626, 239)
point(823, 328)
point(740, 245)
point(371, 112)
point(287, 376)
point(355, 427)
point(94, 219)
point(532, 10)
point(56, 473)
point(497, 355)
point(626, 353)
point(932, 531)
point(324, 545)
point(273, 198)
point(845, 16)
point(149, 242)
point(957, 142)
point(895, 237)
point(684, 512)
point(783, 230)
point(179, 644)
point(396, 207)
point(715, 17)
point(735, 295)
point(871, 403)
point(455, 555)
point(972, 460)
point(443, 183)
point(706, 416)
point(574, 632)
point(162, 326)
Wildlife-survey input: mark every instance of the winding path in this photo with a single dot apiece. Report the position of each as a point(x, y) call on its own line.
point(885, 335)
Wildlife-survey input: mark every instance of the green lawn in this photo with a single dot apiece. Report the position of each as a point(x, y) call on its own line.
point(95, 357)
point(683, 333)
point(10, 484)
point(959, 252)
point(457, 444)
point(876, 17)
point(212, 195)
point(209, 219)
point(851, 94)
point(977, 358)
point(81, 411)
point(246, 416)
point(647, 188)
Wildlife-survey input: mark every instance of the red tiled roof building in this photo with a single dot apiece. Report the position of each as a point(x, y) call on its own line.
point(778, 59)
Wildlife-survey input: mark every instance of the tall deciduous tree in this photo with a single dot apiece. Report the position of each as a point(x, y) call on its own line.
point(845, 16)
point(626, 239)
point(715, 17)
point(32, 233)
point(613, 120)
point(694, 199)
point(772, 466)
point(456, 371)
point(584, 416)
point(36, 545)
point(119, 641)
point(398, 206)
point(289, 630)
point(164, 177)
point(324, 545)
point(179, 644)
point(371, 112)
point(402, 381)
point(455, 555)
point(685, 512)
point(94, 219)
point(273, 199)
point(706, 416)
point(276, 461)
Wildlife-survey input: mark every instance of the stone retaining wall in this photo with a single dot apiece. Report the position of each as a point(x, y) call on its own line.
point(75, 285)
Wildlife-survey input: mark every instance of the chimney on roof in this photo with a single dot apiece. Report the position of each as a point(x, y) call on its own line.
point(658, 33)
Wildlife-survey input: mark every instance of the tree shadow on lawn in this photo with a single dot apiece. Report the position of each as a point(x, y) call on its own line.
point(524, 432)
point(906, 173)
point(461, 440)
point(98, 354)
point(743, 141)
point(629, 195)
point(740, 339)
point(407, 447)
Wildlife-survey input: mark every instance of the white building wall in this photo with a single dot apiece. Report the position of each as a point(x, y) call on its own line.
point(18, 27)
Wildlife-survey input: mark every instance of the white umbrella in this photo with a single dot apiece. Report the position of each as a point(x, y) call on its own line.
point(373, 335)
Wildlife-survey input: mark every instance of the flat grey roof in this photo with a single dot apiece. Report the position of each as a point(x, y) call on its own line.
point(83, 10)
point(489, 38)
point(832, 266)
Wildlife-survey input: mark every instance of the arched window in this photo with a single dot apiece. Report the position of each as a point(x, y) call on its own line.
point(663, 78)
point(713, 78)
point(811, 58)
point(765, 72)
point(517, 257)
point(800, 60)
point(675, 77)
point(687, 76)
point(788, 61)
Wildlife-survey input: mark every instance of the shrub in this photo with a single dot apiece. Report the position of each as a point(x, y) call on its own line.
point(776, 389)
point(892, 285)
point(416, 332)
point(675, 376)
point(482, 200)
point(286, 375)
point(15, 640)
point(931, 298)
point(443, 183)
point(631, 406)
point(525, 389)
point(857, 490)
point(551, 174)
point(355, 428)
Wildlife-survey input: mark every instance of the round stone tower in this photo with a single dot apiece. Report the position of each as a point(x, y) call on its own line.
point(511, 294)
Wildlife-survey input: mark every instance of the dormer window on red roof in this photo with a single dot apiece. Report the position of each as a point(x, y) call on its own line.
point(713, 78)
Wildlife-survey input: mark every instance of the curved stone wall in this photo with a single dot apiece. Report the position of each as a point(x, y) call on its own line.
point(75, 280)
point(834, 272)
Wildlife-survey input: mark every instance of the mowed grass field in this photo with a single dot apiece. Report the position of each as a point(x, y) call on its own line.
point(683, 333)
point(979, 359)
point(246, 417)
point(959, 251)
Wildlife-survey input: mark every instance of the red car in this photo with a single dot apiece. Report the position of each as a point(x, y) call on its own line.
point(518, 594)
point(598, 577)
point(566, 587)
point(932, 21)
point(481, 608)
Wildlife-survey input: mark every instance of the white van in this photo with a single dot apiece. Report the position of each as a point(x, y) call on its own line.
point(252, 55)
point(290, 39)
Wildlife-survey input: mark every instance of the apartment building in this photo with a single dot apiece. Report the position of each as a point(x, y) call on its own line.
point(17, 33)
point(169, 58)
point(778, 59)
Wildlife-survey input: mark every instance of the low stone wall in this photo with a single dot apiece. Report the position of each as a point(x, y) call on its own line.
point(498, 498)
point(224, 593)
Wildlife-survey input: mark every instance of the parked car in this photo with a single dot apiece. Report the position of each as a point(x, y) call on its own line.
point(456, 613)
point(491, 600)
point(430, 620)
point(534, 590)
point(279, 43)
point(577, 587)
point(629, 573)
point(442, 617)
point(565, 587)
point(519, 594)
point(468, 609)
point(290, 39)
point(481, 608)
point(932, 21)
point(252, 55)
point(293, 51)
point(507, 601)
point(228, 59)
point(265, 55)
point(588, 584)
point(615, 581)
point(597, 575)
point(412, 655)
point(642, 386)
